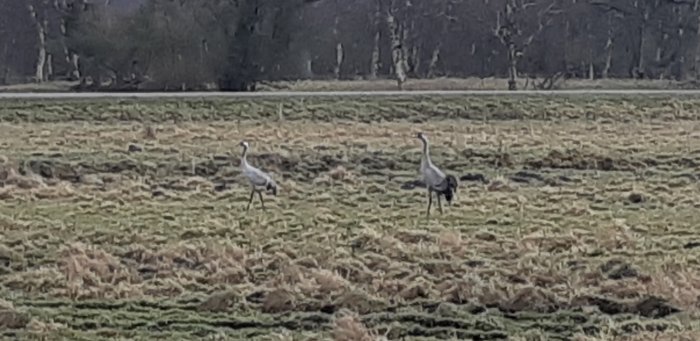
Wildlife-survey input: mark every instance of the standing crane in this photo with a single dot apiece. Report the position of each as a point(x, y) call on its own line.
point(259, 180)
point(434, 179)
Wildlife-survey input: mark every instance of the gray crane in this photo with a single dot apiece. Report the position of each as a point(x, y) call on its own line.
point(434, 179)
point(259, 180)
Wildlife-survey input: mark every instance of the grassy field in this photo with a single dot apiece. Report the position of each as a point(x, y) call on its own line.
point(472, 83)
point(576, 219)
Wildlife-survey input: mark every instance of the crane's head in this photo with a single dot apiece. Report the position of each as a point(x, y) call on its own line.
point(420, 136)
point(244, 144)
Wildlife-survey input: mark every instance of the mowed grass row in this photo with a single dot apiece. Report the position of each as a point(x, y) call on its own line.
point(415, 109)
point(566, 225)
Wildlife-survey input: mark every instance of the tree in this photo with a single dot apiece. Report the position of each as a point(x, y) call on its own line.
point(515, 29)
point(396, 36)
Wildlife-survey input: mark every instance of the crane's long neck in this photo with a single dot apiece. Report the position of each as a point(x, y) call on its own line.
point(244, 161)
point(425, 159)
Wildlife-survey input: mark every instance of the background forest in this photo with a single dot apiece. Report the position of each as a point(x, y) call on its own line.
point(235, 44)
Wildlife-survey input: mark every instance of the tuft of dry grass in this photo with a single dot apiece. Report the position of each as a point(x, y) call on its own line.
point(94, 273)
point(349, 328)
point(219, 302)
point(10, 318)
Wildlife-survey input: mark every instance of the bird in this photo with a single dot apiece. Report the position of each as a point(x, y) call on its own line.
point(434, 179)
point(259, 180)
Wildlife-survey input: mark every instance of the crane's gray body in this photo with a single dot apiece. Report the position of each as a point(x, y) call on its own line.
point(259, 180)
point(434, 179)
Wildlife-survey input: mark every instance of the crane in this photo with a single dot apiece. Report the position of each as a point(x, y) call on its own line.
point(259, 180)
point(434, 179)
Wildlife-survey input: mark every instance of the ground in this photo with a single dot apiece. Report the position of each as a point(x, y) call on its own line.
point(472, 83)
point(575, 219)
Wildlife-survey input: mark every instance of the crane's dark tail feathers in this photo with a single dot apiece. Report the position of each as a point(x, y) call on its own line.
point(272, 187)
point(449, 186)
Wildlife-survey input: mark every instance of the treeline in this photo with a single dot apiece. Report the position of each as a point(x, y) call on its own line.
point(233, 44)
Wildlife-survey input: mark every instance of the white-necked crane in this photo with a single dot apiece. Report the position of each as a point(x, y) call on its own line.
point(259, 180)
point(434, 179)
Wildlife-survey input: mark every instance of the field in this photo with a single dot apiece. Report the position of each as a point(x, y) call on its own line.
point(473, 83)
point(576, 218)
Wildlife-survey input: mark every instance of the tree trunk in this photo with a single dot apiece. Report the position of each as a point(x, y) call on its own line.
point(608, 48)
point(338, 60)
point(696, 61)
point(6, 62)
point(640, 60)
point(397, 56)
point(49, 66)
point(376, 56)
point(434, 59)
point(75, 66)
point(681, 68)
point(5, 75)
point(415, 60)
point(406, 25)
point(69, 57)
point(339, 56)
point(505, 33)
point(512, 67)
point(40, 26)
point(642, 41)
point(591, 55)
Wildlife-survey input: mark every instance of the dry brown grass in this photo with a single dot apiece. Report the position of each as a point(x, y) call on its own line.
point(93, 273)
point(349, 328)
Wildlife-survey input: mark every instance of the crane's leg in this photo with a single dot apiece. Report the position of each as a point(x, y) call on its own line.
point(261, 200)
point(439, 203)
point(430, 201)
point(250, 200)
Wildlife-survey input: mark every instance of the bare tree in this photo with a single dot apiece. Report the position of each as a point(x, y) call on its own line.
point(445, 17)
point(512, 35)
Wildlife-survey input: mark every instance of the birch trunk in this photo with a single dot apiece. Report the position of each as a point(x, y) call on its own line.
point(642, 40)
point(339, 45)
point(40, 26)
point(434, 59)
point(338, 60)
point(49, 66)
point(376, 56)
point(512, 67)
point(608, 48)
point(407, 25)
point(71, 70)
point(374, 63)
point(75, 66)
point(642, 43)
point(397, 56)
